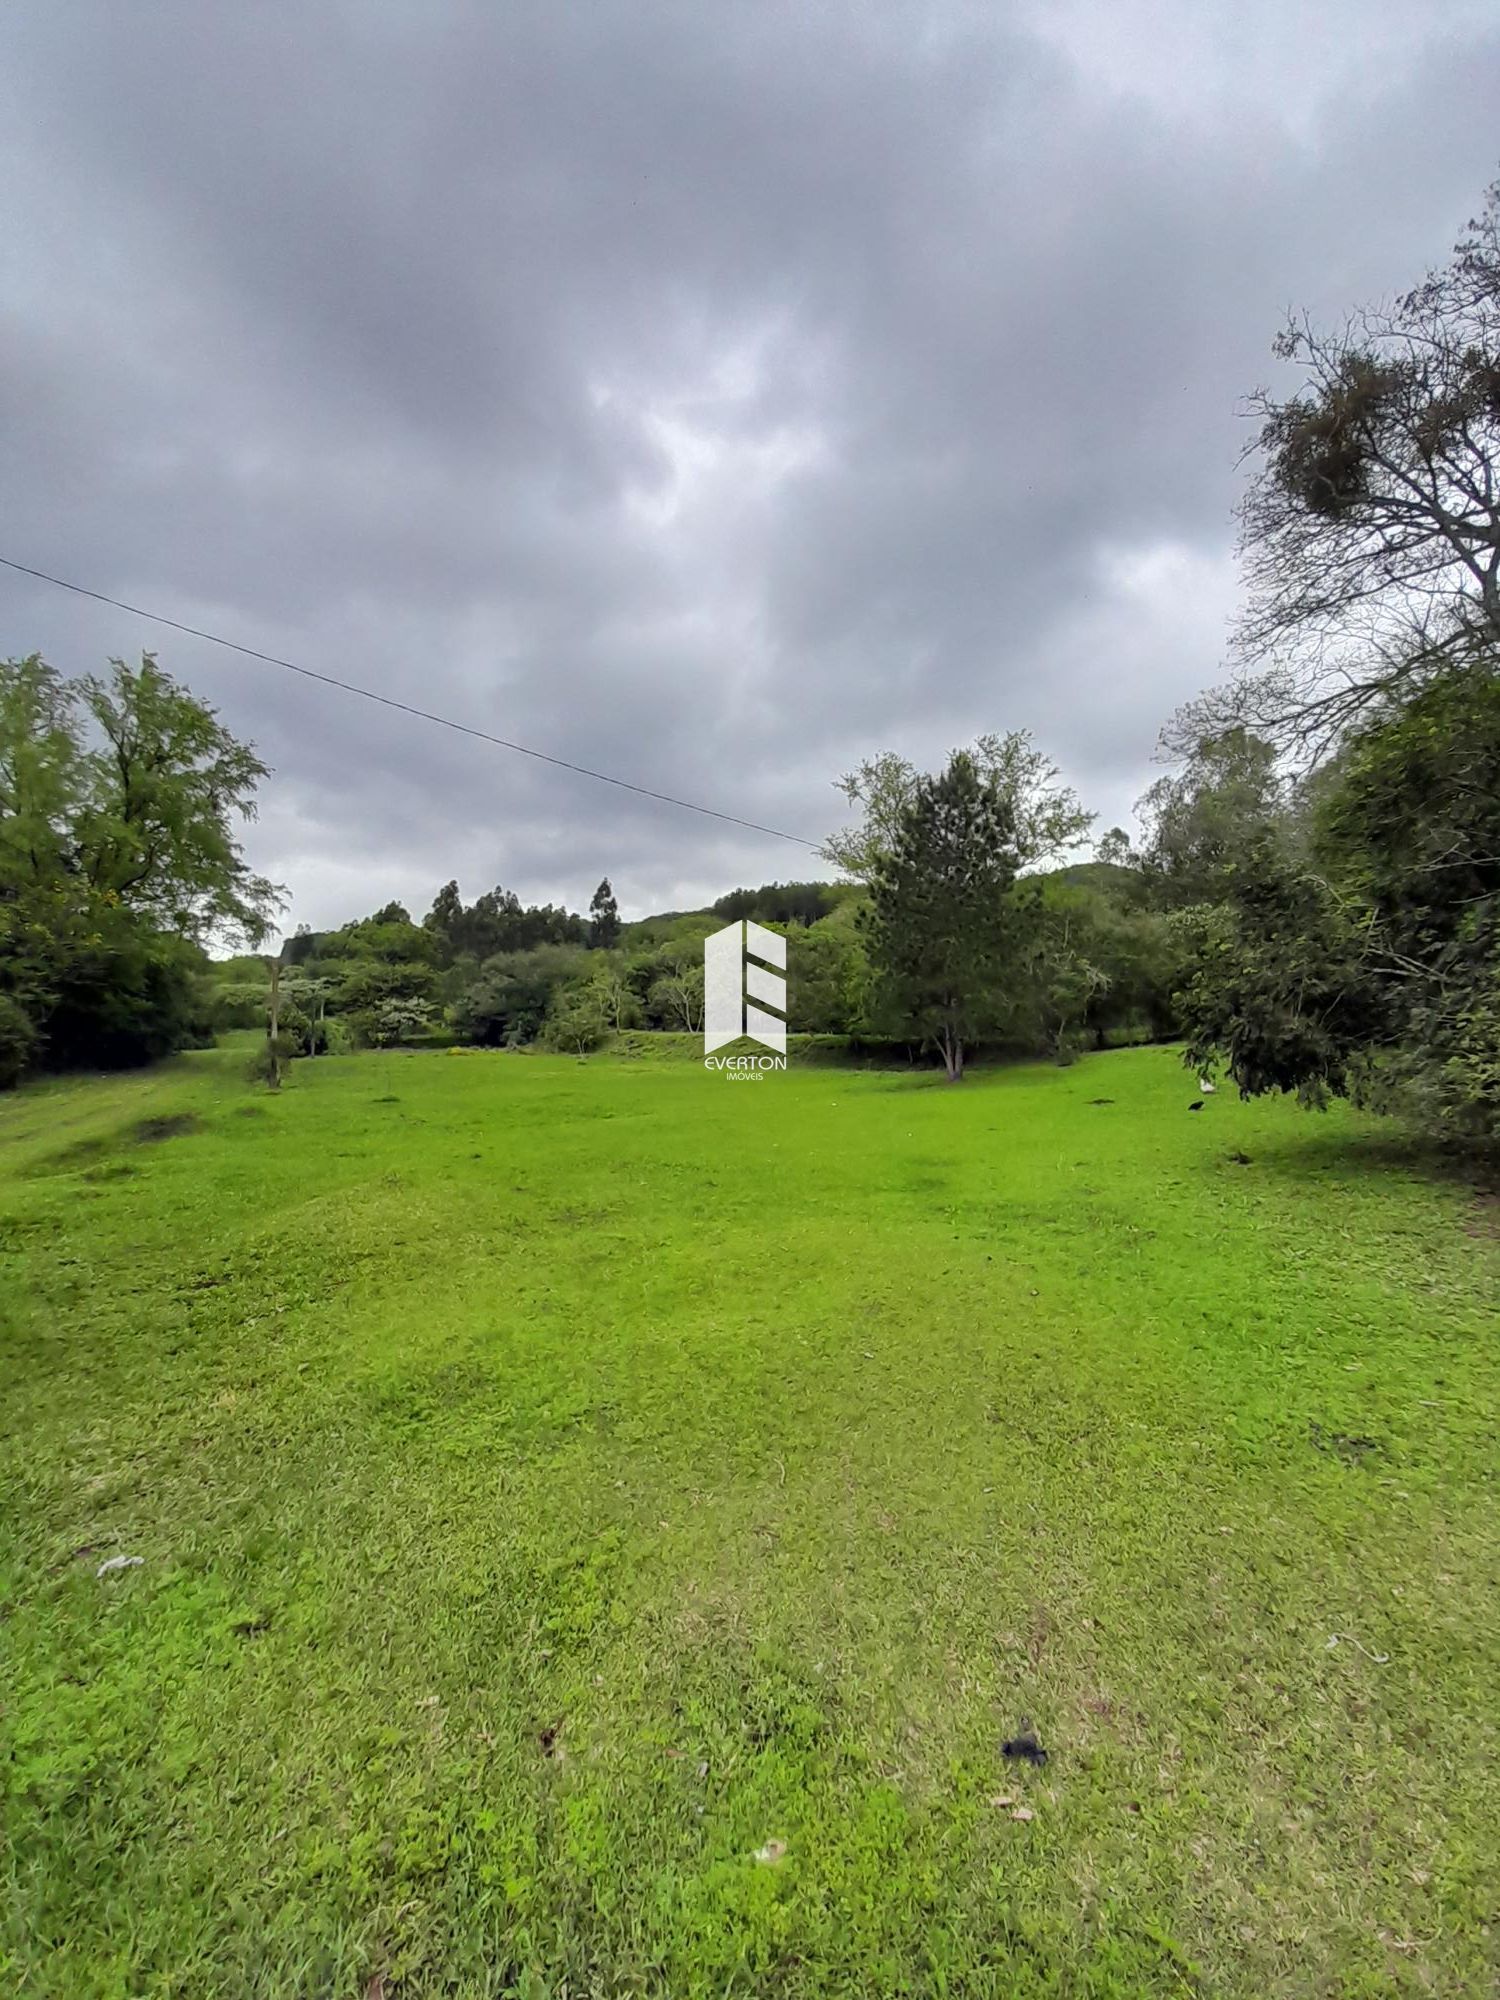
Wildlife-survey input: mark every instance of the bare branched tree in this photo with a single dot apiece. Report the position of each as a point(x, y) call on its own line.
point(1370, 537)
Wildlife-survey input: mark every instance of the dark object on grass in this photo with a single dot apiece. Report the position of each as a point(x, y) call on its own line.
point(1352, 1450)
point(1196, 1105)
point(1101, 1100)
point(1239, 1159)
point(1024, 1744)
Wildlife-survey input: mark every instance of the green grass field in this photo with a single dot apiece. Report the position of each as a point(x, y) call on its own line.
point(599, 1522)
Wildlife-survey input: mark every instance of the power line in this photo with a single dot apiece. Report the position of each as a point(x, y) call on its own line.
point(406, 708)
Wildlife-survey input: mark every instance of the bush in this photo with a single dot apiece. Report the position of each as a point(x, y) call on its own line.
point(271, 1060)
point(576, 1023)
point(237, 1006)
point(295, 1028)
point(394, 1024)
point(126, 1004)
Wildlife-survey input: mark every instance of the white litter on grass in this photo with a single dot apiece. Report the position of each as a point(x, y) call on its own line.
point(1380, 1659)
point(773, 1852)
point(113, 1563)
point(1205, 1086)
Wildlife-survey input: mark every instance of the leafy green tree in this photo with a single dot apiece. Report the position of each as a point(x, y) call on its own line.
point(444, 919)
point(302, 945)
point(1411, 829)
point(1064, 932)
point(1045, 814)
point(393, 940)
point(784, 903)
point(496, 922)
point(156, 827)
point(17, 1041)
point(576, 1021)
point(508, 1002)
point(1370, 966)
point(119, 798)
point(675, 998)
point(364, 987)
point(616, 999)
point(941, 926)
point(492, 924)
point(828, 974)
point(1200, 820)
point(604, 918)
point(1280, 991)
point(396, 1023)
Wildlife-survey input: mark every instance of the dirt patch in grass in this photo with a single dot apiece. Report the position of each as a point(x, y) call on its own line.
point(95, 1158)
point(151, 1131)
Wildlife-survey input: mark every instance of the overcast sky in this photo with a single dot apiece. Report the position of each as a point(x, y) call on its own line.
point(710, 393)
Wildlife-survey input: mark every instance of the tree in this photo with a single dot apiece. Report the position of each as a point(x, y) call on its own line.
point(366, 987)
point(782, 902)
point(1065, 935)
point(495, 922)
point(445, 916)
point(576, 1020)
point(155, 829)
point(300, 946)
point(17, 1042)
point(1279, 991)
point(1411, 831)
point(1113, 849)
point(940, 926)
point(392, 940)
point(310, 998)
point(508, 1002)
point(1371, 532)
point(616, 997)
point(828, 974)
point(277, 1052)
point(1199, 820)
point(1046, 816)
point(675, 998)
point(118, 856)
point(604, 918)
point(1369, 965)
point(395, 1023)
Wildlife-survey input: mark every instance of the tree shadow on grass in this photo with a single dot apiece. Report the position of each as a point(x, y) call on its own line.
point(1310, 1156)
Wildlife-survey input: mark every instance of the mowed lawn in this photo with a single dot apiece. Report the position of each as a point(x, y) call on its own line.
point(600, 1521)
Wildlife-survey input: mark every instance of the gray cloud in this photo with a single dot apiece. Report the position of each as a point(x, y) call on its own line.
point(710, 395)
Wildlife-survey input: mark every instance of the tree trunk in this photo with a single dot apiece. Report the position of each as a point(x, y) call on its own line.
point(273, 966)
point(953, 1056)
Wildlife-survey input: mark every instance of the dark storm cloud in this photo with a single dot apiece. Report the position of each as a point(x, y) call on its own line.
point(711, 395)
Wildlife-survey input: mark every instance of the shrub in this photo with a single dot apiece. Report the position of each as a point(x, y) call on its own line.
point(296, 1029)
point(576, 1023)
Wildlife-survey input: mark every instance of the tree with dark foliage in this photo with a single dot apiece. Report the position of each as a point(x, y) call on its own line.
point(1368, 964)
point(941, 923)
point(604, 918)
